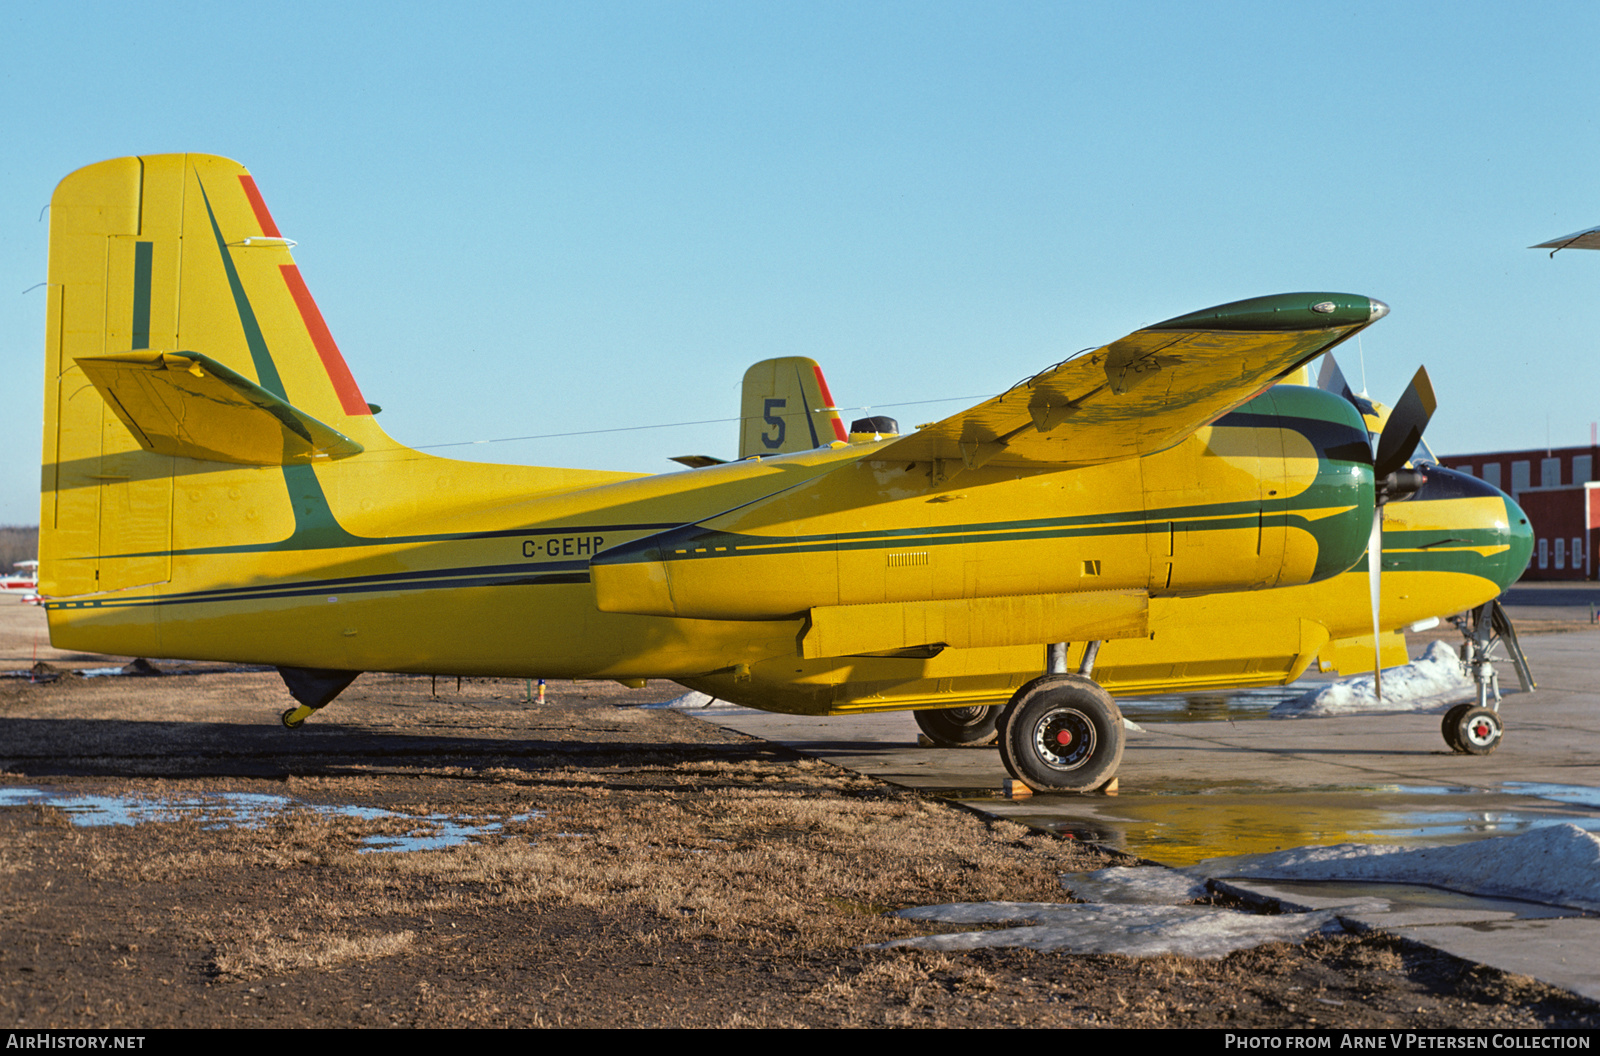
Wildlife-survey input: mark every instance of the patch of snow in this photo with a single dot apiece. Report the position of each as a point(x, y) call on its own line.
point(1435, 679)
point(691, 699)
point(1141, 884)
point(1134, 911)
point(1555, 864)
point(1135, 930)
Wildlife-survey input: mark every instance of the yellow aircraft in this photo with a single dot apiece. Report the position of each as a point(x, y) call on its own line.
point(215, 487)
point(1451, 545)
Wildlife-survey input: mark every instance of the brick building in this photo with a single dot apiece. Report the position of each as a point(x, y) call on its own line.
point(1557, 488)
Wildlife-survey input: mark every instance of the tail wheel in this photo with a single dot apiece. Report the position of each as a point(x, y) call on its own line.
point(1450, 726)
point(1479, 730)
point(1061, 733)
point(958, 727)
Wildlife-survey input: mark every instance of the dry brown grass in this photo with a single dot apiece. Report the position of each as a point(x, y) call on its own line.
point(757, 864)
point(262, 953)
point(797, 856)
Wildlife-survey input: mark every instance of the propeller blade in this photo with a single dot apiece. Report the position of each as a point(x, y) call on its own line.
point(1403, 431)
point(1331, 379)
point(1401, 435)
point(1375, 589)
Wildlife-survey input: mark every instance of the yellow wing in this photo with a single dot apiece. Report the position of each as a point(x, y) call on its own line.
point(1146, 392)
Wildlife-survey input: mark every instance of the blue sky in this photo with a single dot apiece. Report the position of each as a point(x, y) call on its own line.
point(527, 219)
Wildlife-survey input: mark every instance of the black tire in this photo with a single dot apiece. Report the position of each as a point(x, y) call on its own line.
point(1061, 733)
point(290, 722)
point(959, 727)
point(1450, 726)
point(1479, 731)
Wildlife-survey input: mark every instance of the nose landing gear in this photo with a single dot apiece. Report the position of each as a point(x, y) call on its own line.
point(1476, 728)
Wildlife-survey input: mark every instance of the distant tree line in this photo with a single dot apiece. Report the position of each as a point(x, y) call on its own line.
point(17, 544)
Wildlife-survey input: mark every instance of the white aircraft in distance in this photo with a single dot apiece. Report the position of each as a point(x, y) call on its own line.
point(1589, 239)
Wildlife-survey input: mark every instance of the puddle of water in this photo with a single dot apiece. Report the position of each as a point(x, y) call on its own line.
point(220, 810)
point(1578, 795)
point(1181, 825)
point(435, 832)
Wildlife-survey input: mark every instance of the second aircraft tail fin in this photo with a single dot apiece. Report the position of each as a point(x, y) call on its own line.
point(787, 407)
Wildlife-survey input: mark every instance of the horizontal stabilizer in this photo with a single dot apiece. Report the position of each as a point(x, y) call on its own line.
point(699, 461)
point(1145, 392)
point(191, 406)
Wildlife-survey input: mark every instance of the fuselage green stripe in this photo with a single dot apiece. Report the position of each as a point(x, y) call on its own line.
point(143, 261)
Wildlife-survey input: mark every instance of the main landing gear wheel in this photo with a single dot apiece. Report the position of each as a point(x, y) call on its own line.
point(1061, 733)
point(958, 727)
point(1450, 726)
point(1479, 731)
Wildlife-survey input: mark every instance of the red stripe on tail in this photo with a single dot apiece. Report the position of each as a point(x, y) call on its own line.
point(827, 398)
point(338, 373)
point(258, 205)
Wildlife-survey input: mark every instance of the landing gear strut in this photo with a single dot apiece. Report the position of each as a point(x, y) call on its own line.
point(1476, 728)
point(1062, 732)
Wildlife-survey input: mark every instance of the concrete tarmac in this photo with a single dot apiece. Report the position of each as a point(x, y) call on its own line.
point(1208, 789)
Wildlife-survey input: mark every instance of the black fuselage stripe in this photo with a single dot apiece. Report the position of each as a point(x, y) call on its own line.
point(302, 590)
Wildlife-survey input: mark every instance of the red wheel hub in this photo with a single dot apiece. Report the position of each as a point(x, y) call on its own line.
point(1064, 737)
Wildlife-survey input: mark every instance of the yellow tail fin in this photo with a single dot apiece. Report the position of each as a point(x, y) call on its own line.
point(174, 261)
point(786, 407)
point(197, 407)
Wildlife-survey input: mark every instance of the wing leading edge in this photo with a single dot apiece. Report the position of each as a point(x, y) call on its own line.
point(1145, 392)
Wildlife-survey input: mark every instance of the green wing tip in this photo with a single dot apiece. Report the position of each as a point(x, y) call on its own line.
point(1283, 311)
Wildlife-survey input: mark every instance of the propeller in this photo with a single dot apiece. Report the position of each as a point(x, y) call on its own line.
point(1395, 446)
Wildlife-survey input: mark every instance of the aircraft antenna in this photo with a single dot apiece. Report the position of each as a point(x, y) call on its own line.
point(675, 425)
